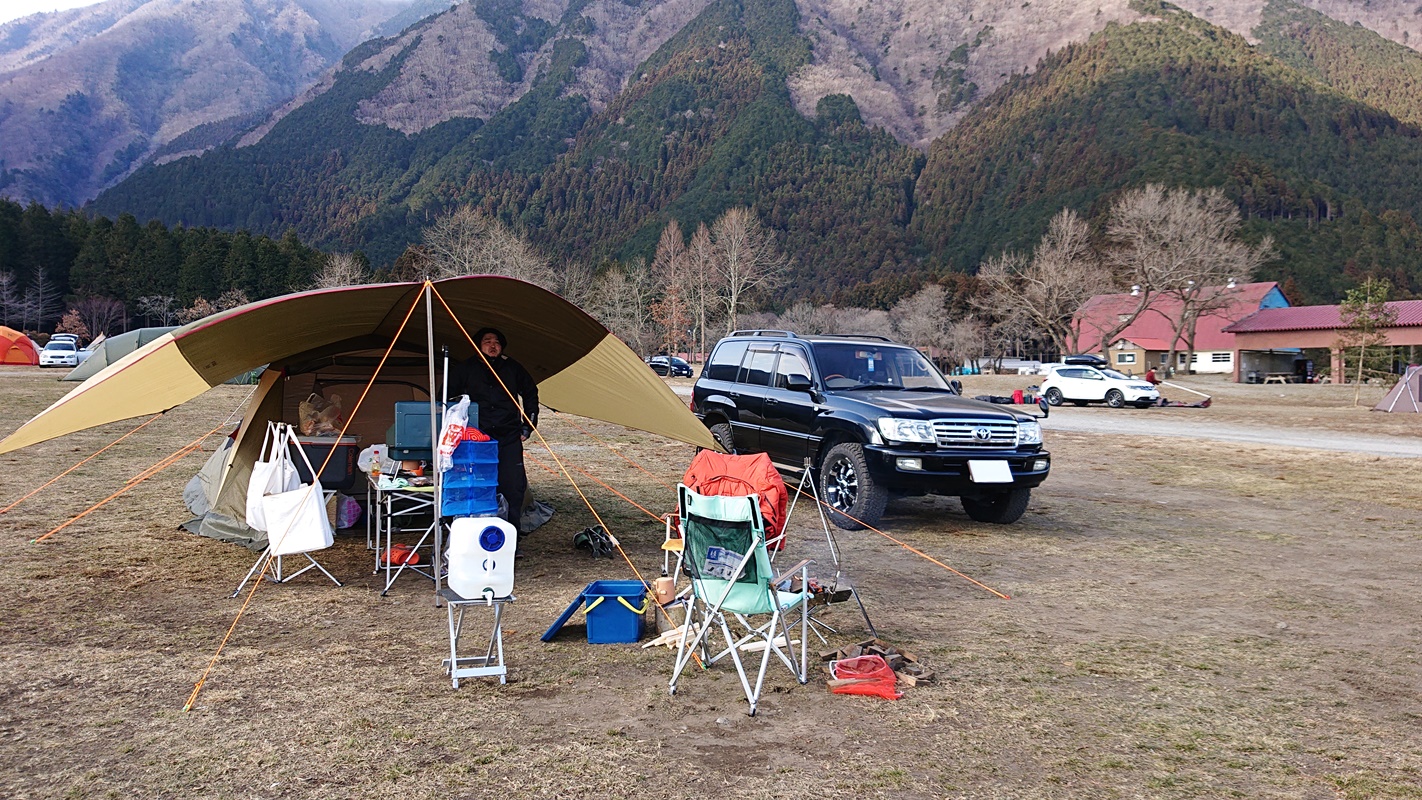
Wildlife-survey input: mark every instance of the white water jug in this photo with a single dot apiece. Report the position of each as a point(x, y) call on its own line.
point(481, 557)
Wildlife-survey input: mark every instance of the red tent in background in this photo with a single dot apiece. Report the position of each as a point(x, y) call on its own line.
point(713, 473)
point(16, 348)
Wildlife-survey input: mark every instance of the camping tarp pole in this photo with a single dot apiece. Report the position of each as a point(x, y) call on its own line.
point(434, 440)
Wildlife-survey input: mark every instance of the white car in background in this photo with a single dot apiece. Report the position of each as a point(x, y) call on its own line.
point(1081, 384)
point(60, 353)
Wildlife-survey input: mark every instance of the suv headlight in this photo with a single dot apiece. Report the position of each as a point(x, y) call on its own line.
point(907, 430)
point(1029, 432)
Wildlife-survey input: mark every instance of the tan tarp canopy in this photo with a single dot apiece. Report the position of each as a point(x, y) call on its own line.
point(329, 341)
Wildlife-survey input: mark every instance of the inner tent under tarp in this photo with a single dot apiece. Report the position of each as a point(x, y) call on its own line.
point(332, 339)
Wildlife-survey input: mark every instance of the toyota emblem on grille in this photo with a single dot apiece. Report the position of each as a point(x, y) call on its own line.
point(982, 434)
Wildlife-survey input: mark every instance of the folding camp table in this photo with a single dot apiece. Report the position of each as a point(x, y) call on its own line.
point(391, 509)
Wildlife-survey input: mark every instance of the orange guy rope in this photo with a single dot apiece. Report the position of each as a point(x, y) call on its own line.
point(257, 582)
point(49, 482)
point(137, 479)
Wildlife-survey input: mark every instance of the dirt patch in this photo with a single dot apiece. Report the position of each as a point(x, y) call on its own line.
point(1188, 618)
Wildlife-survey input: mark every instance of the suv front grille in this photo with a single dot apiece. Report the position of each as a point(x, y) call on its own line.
point(968, 432)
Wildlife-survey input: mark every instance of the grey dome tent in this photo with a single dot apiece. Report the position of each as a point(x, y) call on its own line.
point(112, 349)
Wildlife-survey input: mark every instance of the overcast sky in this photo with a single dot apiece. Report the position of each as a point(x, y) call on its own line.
point(13, 9)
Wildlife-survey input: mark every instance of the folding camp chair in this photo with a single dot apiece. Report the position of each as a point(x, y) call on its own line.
point(725, 558)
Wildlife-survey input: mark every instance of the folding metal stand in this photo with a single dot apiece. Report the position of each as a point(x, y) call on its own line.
point(815, 624)
point(276, 576)
point(491, 663)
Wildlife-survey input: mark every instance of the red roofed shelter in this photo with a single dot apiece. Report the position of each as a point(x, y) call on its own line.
point(1318, 326)
point(1145, 343)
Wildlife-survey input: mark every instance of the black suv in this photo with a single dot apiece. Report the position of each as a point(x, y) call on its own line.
point(869, 416)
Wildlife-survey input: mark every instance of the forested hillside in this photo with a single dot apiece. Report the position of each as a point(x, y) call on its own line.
point(1311, 132)
point(51, 262)
point(1181, 102)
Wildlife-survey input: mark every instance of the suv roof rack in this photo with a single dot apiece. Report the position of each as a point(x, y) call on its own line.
point(765, 332)
point(874, 336)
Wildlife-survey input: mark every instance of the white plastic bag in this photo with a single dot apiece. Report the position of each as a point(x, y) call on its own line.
point(456, 418)
point(271, 472)
point(296, 519)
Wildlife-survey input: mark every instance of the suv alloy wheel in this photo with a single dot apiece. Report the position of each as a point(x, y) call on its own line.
point(1054, 396)
point(854, 498)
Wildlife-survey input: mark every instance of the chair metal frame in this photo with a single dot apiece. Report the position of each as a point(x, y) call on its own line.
point(711, 598)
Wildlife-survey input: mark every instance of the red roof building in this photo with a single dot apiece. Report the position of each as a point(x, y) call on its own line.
point(1145, 343)
point(1274, 329)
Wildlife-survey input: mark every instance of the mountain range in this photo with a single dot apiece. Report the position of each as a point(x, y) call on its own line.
point(883, 142)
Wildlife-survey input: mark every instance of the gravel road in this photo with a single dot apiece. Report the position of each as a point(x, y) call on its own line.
point(1130, 422)
point(1118, 423)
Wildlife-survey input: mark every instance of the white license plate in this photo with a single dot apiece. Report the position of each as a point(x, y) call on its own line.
point(990, 472)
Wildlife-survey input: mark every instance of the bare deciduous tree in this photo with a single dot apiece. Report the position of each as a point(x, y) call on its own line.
point(160, 308)
point(746, 259)
point(9, 298)
point(101, 315)
point(341, 269)
point(701, 284)
point(862, 320)
point(470, 242)
point(41, 300)
point(1169, 242)
point(672, 311)
point(922, 318)
point(1041, 293)
point(967, 340)
point(231, 299)
point(620, 300)
point(807, 318)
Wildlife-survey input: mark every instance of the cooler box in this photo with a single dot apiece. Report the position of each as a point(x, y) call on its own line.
point(471, 486)
point(409, 437)
point(340, 473)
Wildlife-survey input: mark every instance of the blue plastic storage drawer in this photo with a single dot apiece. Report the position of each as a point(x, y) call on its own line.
point(475, 501)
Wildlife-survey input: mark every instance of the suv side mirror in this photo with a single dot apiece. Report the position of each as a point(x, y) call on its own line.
point(957, 386)
point(1045, 406)
point(798, 383)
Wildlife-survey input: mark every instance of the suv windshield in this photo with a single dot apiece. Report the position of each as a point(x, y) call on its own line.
point(851, 365)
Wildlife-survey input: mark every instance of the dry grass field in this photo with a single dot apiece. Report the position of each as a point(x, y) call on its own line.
point(1188, 619)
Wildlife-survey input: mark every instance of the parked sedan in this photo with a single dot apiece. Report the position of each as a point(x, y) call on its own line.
point(1080, 384)
point(59, 353)
point(670, 365)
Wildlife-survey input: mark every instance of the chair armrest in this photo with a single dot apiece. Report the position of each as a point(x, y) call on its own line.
point(804, 562)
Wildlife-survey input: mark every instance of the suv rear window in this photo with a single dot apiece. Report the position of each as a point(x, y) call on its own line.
point(726, 361)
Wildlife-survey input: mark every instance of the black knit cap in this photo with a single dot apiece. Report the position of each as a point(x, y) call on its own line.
point(479, 337)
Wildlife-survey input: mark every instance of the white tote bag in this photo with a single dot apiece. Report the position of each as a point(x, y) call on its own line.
point(271, 472)
point(296, 519)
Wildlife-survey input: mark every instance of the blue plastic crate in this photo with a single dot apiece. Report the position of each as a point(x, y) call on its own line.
point(614, 611)
point(471, 453)
point(469, 480)
point(476, 501)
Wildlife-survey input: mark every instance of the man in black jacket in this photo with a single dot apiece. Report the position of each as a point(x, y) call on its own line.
point(489, 378)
